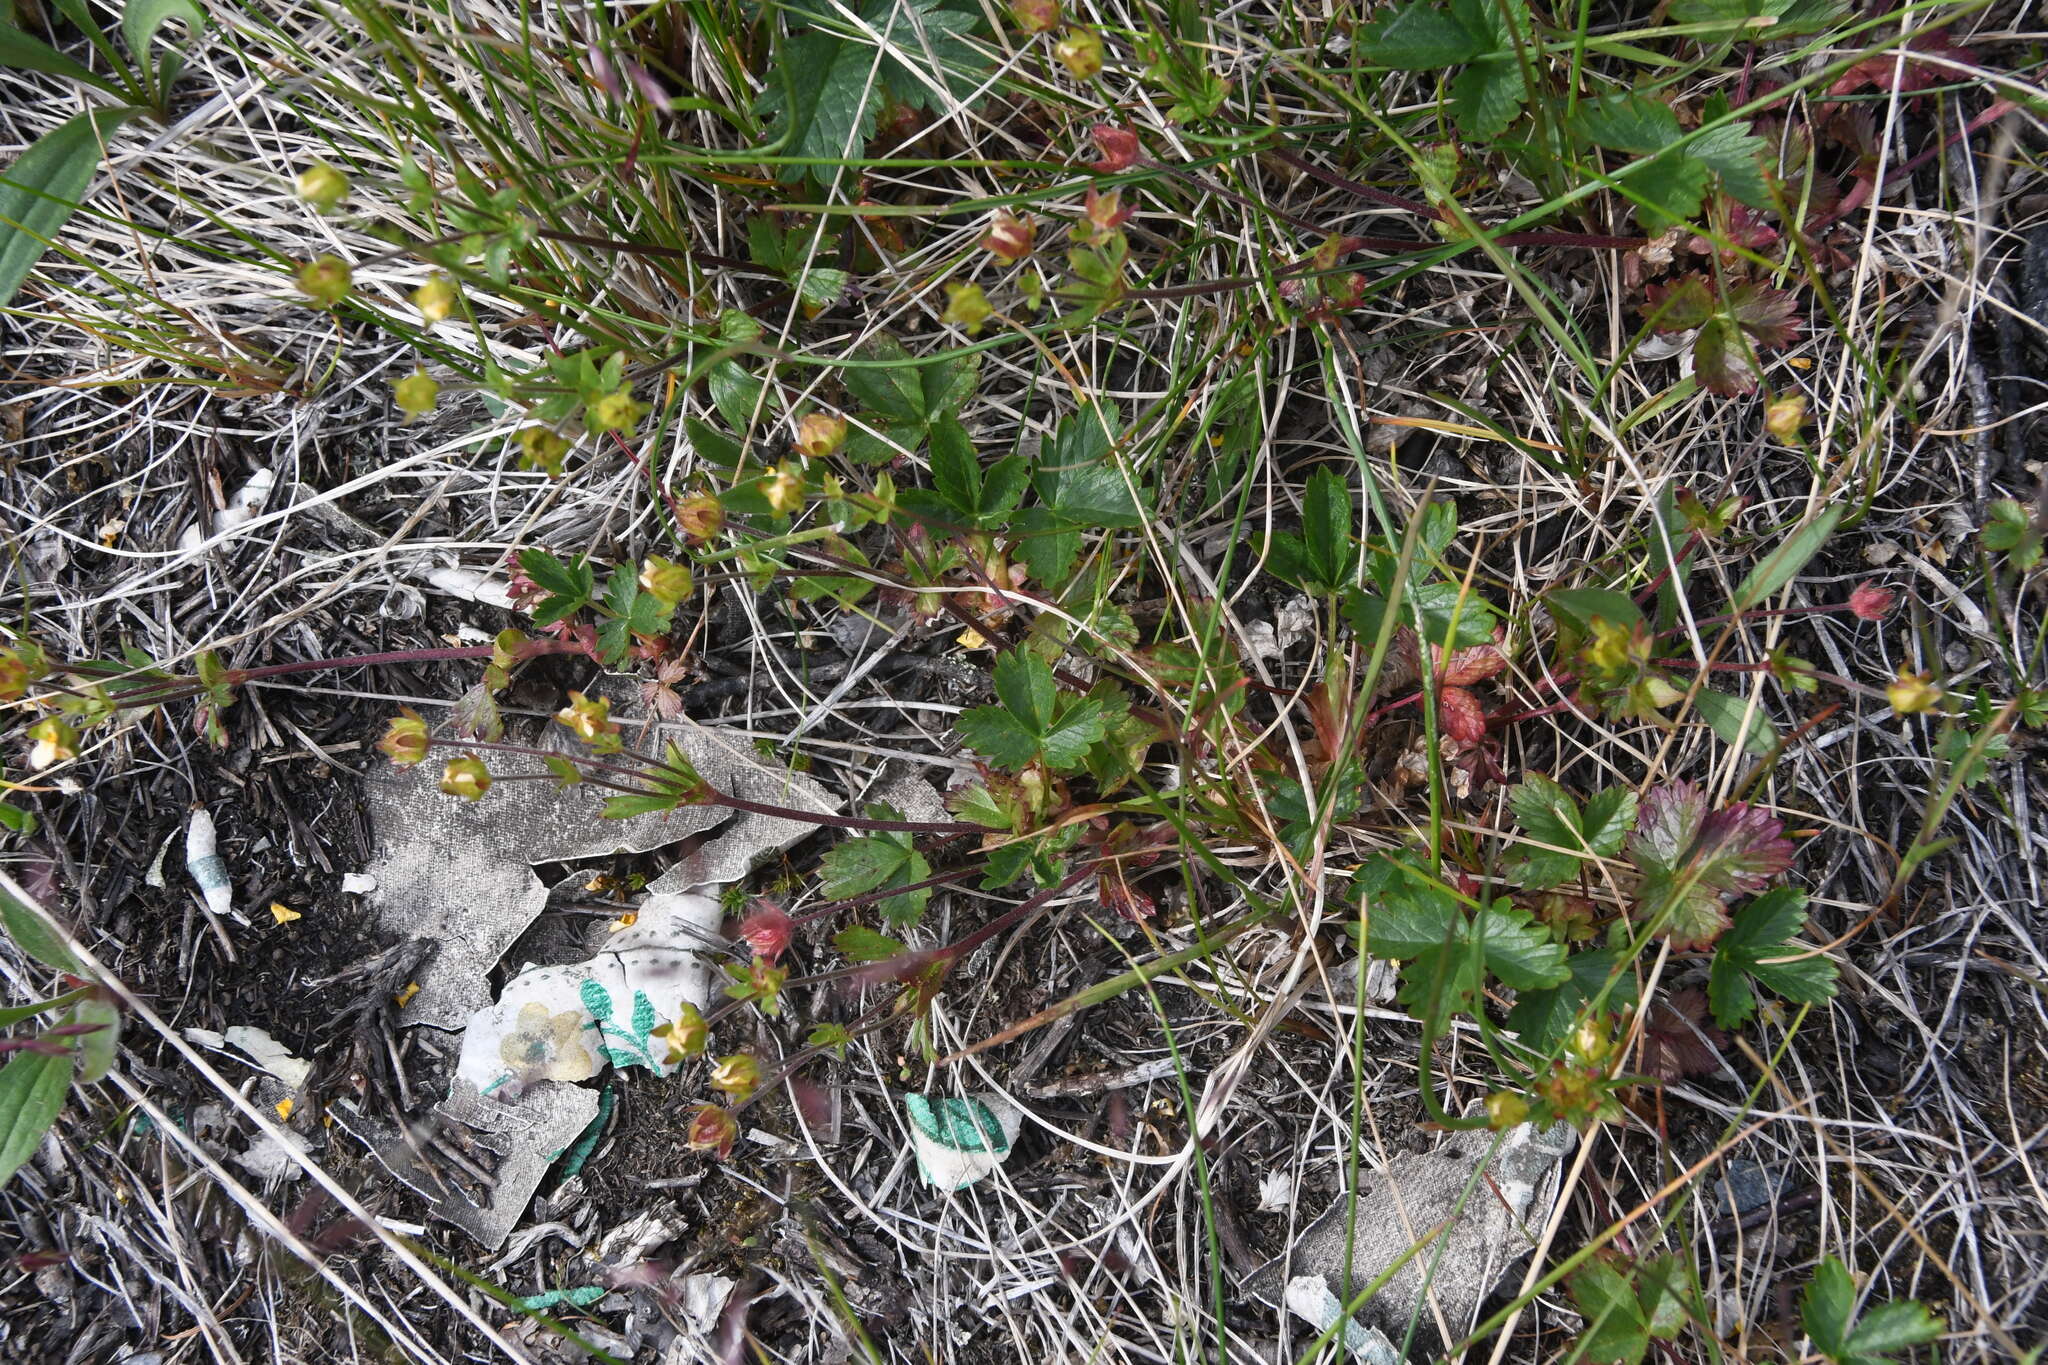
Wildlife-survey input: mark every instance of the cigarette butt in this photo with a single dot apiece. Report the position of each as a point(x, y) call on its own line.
point(206, 866)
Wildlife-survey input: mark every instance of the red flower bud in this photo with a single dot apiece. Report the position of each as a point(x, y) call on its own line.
point(713, 1129)
point(1870, 602)
point(1120, 149)
point(767, 930)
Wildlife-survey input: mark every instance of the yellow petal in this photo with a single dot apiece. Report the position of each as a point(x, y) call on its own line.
point(285, 1107)
point(404, 997)
point(283, 913)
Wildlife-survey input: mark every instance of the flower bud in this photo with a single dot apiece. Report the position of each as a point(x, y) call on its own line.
point(666, 581)
point(784, 490)
point(1590, 1043)
point(322, 186)
point(819, 434)
point(1784, 416)
point(966, 308)
point(614, 412)
point(1009, 238)
point(405, 738)
point(542, 448)
point(701, 518)
point(1120, 148)
point(1506, 1109)
point(713, 1130)
point(588, 719)
point(1869, 602)
point(436, 298)
point(416, 394)
point(737, 1075)
point(326, 280)
point(1035, 16)
point(1080, 52)
point(466, 777)
point(687, 1035)
point(767, 931)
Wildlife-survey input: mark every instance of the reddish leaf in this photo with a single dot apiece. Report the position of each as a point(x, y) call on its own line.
point(1474, 663)
point(1768, 315)
point(1678, 1039)
point(1461, 715)
point(1898, 71)
point(1721, 359)
point(1682, 305)
point(1741, 848)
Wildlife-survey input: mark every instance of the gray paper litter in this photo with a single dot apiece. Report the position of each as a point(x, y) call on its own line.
point(460, 873)
point(1462, 1267)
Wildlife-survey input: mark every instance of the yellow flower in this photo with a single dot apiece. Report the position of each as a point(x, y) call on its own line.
point(548, 1047)
point(1912, 692)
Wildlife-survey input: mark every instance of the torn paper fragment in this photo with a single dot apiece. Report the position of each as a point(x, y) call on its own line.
point(1309, 1297)
point(524, 1138)
point(958, 1140)
point(357, 884)
point(459, 873)
point(564, 1023)
point(1489, 1220)
point(274, 1057)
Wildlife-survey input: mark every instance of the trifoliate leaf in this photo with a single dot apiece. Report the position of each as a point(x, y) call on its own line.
point(1760, 932)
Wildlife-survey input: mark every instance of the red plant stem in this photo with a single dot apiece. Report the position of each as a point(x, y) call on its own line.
point(855, 902)
point(955, 951)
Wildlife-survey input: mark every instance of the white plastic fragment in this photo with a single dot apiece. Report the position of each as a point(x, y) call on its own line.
point(1309, 1297)
point(564, 1023)
point(242, 505)
point(471, 585)
point(205, 864)
point(357, 884)
point(958, 1140)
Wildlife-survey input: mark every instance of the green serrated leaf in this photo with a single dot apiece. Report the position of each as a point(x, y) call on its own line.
point(1331, 556)
point(1419, 37)
point(1827, 1305)
point(1615, 1331)
point(1628, 122)
point(858, 943)
point(1488, 95)
point(1517, 950)
point(858, 866)
point(1544, 1018)
point(1667, 190)
point(1081, 724)
point(1024, 686)
point(1736, 155)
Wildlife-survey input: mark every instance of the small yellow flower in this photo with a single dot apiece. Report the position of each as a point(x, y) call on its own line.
point(588, 719)
point(614, 412)
point(737, 1075)
point(664, 580)
point(1080, 52)
point(784, 490)
point(543, 449)
point(966, 308)
point(687, 1035)
point(405, 738)
point(1911, 693)
point(1506, 1109)
point(1784, 416)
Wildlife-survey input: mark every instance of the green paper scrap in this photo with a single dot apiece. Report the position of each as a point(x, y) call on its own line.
point(960, 1125)
point(958, 1140)
point(580, 1297)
